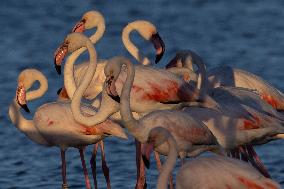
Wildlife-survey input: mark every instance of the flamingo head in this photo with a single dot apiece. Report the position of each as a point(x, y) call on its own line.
point(62, 94)
point(149, 32)
point(90, 19)
point(156, 137)
point(71, 43)
point(21, 96)
point(112, 70)
point(186, 59)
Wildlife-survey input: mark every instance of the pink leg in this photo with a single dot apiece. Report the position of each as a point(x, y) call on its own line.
point(104, 165)
point(257, 163)
point(93, 165)
point(159, 166)
point(63, 170)
point(141, 180)
point(87, 180)
point(158, 160)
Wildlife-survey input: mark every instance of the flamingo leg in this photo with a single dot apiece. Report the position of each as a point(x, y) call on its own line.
point(63, 170)
point(237, 153)
point(244, 154)
point(87, 180)
point(158, 161)
point(94, 165)
point(159, 166)
point(257, 163)
point(104, 165)
point(141, 179)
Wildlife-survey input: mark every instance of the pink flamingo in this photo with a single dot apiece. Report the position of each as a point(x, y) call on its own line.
point(205, 172)
point(52, 124)
point(227, 76)
point(239, 103)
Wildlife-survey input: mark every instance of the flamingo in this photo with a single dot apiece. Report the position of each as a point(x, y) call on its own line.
point(228, 76)
point(238, 103)
point(52, 124)
point(204, 172)
point(91, 19)
point(233, 132)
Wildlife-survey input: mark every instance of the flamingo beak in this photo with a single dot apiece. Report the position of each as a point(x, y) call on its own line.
point(21, 98)
point(80, 26)
point(147, 149)
point(59, 55)
point(59, 91)
point(172, 63)
point(159, 45)
point(62, 94)
point(111, 89)
point(25, 107)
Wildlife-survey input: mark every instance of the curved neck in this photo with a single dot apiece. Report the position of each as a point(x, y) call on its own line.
point(131, 48)
point(43, 85)
point(105, 110)
point(24, 125)
point(201, 82)
point(168, 165)
point(99, 33)
point(125, 111)
point(69, 81)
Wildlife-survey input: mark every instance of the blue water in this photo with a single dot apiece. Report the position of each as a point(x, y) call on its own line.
point(248, 35)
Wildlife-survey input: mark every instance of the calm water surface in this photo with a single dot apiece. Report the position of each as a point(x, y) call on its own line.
point(248, 35)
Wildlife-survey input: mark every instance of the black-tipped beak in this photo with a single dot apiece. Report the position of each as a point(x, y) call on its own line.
point(25, 107)
point(159, 45)
point(80, 26)
point(146, 161)
point(115, 97)
point(59, 90)
point(58, 69)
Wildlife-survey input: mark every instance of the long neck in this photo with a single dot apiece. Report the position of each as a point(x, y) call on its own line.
point(202, 76)
point(24, 125)
point(76, 100)
point(69, 80)
point(125, 111)
point(131, 48)
point(169, 164)
point(43, 83)
point(100, 31)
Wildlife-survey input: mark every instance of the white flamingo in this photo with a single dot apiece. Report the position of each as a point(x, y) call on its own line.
point(52, 124)
point(239, 103)
point(205, 172)
point(228, 76)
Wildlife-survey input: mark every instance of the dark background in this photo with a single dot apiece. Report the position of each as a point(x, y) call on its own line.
point(247, 35)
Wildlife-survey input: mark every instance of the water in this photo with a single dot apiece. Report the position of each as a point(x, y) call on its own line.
point(248, 35)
